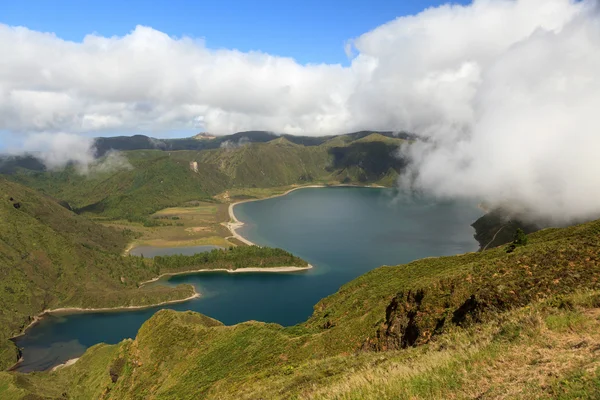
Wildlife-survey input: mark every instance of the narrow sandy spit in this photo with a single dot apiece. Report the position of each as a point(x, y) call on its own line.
point(230, 271)
point(68, 310)
point(80, 309)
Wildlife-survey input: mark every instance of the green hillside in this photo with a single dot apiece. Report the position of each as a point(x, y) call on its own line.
point(492, 324)
point(276, 163)
point(149, 180)
point(154, 180)
point(51, 257)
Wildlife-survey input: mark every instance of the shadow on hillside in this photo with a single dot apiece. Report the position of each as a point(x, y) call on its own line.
point(374, 159)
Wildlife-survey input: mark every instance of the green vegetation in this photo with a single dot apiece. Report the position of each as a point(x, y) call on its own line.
point(143, 182)
point(154, 180)
point(520, 239)
point(195, 223)
point(52, 258)
point(481, 325)
point(233, 258)
point(493, 324)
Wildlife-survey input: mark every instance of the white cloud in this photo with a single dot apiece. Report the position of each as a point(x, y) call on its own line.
point(232, 144)
point(56, 150)
point(148, 81)
point(529, 141)
point(504, 90)
point(111, 162)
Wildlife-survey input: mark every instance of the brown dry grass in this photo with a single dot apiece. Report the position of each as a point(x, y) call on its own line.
point(488, 362)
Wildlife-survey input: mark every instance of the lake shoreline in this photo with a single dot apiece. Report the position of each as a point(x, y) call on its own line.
point(76, 310)
point(231, 271)
point(73, 310)
point(281, 218)
point(66, 364)
point(234, 224)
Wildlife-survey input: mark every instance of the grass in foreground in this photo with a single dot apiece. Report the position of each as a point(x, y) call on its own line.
point(451, 327)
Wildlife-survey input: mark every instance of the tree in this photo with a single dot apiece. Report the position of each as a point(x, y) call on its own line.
point(519, 239)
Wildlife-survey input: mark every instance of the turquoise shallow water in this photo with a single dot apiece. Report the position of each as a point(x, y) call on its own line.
point(344, 232)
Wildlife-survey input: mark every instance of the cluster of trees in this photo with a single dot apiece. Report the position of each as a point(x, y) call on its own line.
point(232, 258)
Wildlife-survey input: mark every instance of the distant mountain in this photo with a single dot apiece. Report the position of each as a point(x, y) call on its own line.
point(141, 142)
point(160, 176)
point(9, 164)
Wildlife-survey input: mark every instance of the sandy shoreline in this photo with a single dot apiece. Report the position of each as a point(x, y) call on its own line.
point(230, 271)
point(72, 310)
point(68, 363)
point(235, 223)
point(68, 310)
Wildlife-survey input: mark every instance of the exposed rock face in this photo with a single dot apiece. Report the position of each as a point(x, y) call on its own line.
point(412, 318)
point(116, 369)
point(400, 329)
point(194, 166)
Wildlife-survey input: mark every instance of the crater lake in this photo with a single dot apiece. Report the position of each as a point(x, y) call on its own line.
point(342, 231)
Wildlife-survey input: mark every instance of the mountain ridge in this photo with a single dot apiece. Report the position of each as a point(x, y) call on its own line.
point(148, 180)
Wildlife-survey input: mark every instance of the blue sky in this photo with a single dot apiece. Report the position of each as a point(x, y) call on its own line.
point(311, 31)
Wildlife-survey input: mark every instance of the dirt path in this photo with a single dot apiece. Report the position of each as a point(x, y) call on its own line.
point(494, 238)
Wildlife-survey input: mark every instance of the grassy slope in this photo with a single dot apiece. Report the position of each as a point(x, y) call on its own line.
point(161, 179)
point(461, 326)
point(276, 163)
point(50, 257)
point(156, 180)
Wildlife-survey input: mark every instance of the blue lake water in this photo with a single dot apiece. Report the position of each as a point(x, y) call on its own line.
point(343, 232)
